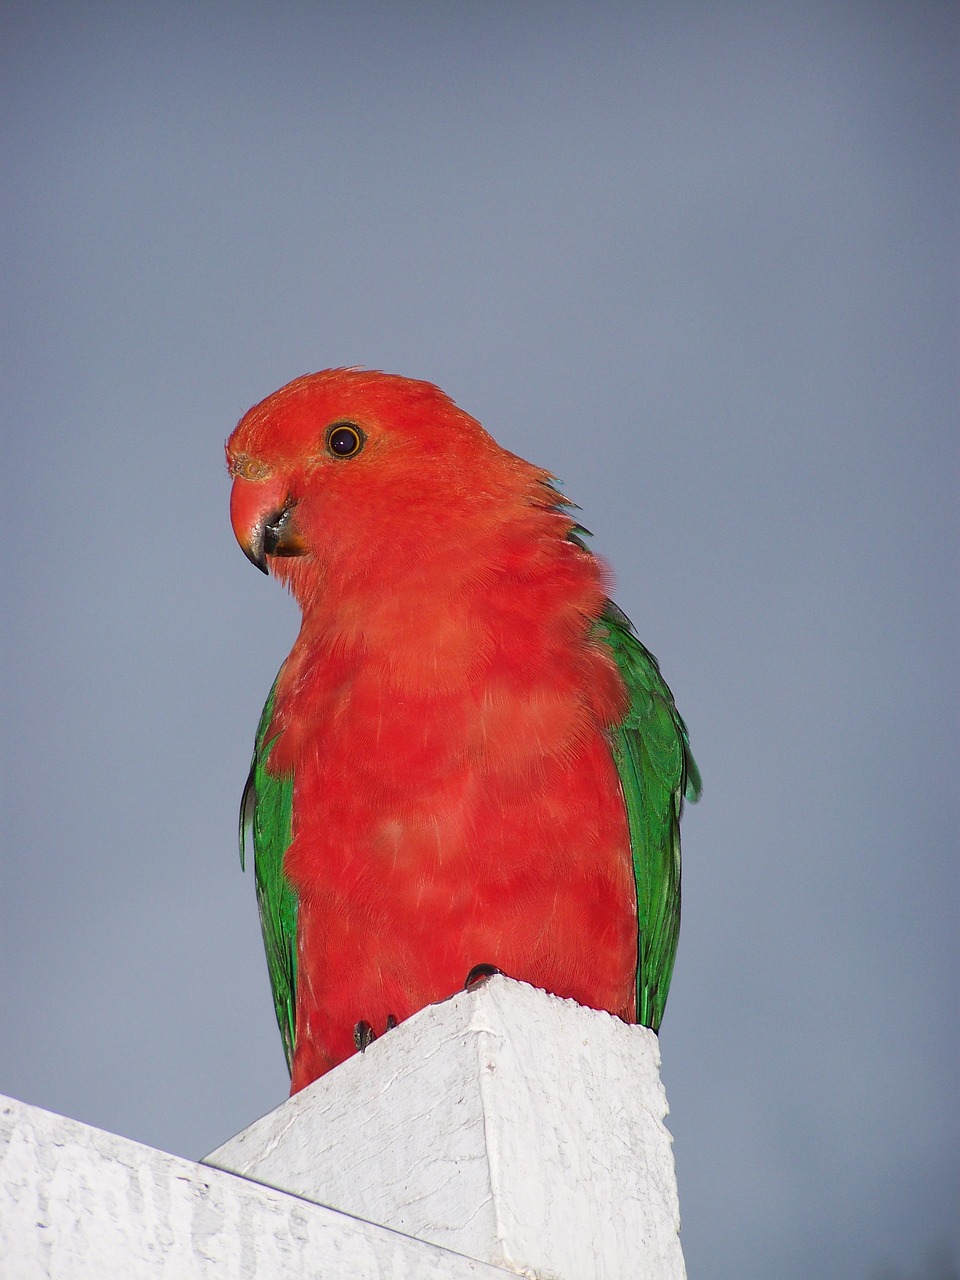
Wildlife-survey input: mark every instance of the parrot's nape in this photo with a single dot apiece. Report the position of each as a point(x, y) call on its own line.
point(468, 761)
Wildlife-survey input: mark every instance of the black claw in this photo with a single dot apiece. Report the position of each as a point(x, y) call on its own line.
point(391, 1022)
point(363, 1036)
point(479, 973)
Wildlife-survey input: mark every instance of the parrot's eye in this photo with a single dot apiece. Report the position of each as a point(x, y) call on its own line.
point(344, 440)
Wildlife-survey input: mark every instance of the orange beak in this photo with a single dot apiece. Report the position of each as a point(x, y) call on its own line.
point(261, 512)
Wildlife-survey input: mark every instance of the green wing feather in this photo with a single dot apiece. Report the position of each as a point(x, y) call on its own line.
point(265, 818)
point(657, 772)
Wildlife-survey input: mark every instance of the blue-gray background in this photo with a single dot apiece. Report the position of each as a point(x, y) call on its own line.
point(697, 259)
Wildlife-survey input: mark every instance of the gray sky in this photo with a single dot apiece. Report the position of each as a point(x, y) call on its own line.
point(700, 260)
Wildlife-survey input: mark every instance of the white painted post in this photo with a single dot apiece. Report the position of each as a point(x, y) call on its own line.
point(80, 1204)
point(504, 1123)
point(503, 1128)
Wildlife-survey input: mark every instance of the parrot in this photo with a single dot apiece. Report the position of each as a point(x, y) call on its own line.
point(468, 763)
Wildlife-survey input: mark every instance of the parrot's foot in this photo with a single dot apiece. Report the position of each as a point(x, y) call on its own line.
point(364, 1035)
point(480, 973)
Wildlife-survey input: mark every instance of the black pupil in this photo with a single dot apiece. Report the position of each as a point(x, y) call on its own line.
point(344, 441)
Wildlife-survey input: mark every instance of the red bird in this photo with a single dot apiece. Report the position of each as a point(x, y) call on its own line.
point(467, 759)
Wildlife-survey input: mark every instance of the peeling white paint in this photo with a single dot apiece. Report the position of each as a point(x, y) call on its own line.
point(504, 1123)
point(80, 1204)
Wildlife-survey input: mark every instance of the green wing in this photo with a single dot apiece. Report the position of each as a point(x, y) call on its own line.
point(657, 772)
point(265, 812)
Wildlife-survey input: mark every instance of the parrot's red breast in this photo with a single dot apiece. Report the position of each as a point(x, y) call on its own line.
point(443, 714)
